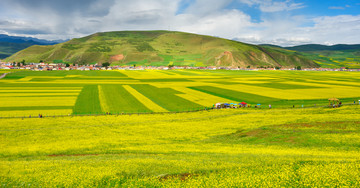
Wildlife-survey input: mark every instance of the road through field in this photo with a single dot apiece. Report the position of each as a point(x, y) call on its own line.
point(3, 75)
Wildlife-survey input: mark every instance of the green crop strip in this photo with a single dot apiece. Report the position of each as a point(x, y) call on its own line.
point(88, 101)
point(166, 98)
point(118, 100)
point(234, 95)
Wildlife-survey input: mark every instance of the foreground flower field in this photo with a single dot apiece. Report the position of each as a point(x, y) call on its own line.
point(312, 147)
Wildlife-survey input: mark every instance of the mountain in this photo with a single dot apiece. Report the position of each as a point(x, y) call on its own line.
point(340, 55)
point(335, 56)
point(164, 48)
point(319, 47)
point(12, 44)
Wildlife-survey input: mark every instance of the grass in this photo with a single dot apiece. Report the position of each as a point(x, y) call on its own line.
point(247, 147)
point(118, 100)
point(161, 48)
point(234, 95)
point(221, 148)
point(279, 85)
point(172, 90)
point(88, 101)
point(166, 98)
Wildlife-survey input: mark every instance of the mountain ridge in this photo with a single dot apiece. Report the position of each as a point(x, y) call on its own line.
point(162, 48)
point(333, 56)
point(12, 44)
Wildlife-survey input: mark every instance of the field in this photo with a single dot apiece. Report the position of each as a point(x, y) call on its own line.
point(29, 93)
point(305, 145)
point(313, 147)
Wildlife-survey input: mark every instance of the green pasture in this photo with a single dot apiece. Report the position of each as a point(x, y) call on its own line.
point(335, 59)
point(314, 147)
point(100, 92)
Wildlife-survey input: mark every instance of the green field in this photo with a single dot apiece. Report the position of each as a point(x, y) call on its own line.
point(305, 146)
point(314, 147)
point(25, 93)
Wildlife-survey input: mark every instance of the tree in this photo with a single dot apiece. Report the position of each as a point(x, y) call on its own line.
point(67, 65)
point(106, 64)
point(298, 67)
point(18, 64)
point(248, 66)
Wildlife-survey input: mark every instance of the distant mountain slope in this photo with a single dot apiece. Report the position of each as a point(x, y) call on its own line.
point(12, 44)
point(319, 47)
point(336, 56)
point(162, 48)
point(340, 55)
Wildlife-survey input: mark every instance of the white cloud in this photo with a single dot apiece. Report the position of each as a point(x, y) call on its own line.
point(222, 23)
point(343, 29)
point(209, 17)
point(337, 8)
point(274, 5)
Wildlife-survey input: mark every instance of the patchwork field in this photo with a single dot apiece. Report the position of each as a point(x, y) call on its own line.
point(245, 147)
point(313, 147)
point(28, 93)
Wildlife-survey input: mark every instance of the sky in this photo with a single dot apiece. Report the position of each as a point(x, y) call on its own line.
point(279, 22)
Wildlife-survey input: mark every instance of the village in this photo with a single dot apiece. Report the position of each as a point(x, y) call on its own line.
point(64, 66)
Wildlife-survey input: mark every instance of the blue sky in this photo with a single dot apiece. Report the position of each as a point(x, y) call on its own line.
point(280, 22)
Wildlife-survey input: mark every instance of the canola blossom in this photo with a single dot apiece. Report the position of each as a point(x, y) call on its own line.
point(148, 91)
point(313, 147)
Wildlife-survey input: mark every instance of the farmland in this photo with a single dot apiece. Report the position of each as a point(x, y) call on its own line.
point(28, 93)
point(245, 147)
point(313, 147)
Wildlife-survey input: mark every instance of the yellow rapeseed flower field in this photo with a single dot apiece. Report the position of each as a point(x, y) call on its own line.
point(313, 147)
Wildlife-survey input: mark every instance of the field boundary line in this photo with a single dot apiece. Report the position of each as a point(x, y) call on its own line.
point(144, 100)
point(168, 112)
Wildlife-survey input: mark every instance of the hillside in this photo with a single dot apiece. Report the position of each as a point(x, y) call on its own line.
point(340, 55)
point(12, 44)
point(161, 48)
point(319, 47)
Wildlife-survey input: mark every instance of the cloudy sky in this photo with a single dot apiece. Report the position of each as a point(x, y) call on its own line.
point(281, 22)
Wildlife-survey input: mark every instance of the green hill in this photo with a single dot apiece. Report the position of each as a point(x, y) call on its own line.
point(8, 48)
point(319, 47)
point(336, 56)
point(162, 48)
point(12, 44)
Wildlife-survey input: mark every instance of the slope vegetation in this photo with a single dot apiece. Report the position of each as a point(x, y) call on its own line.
point(161, 48)
point(12, 44)
point(336, 56)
